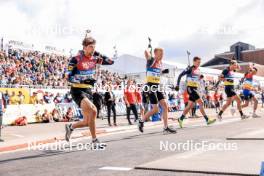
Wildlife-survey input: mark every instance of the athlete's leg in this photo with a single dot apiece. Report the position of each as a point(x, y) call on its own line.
point(238, 101)
point(245, 104)
point(239, 107)
point(89, 116)
point(201, 107)
point(154, 103)
point(227, 104)
point(164, 106)
point(187, 108)
point(142, 110)
point(185, 111)
point(255, 105)
point(154, 110)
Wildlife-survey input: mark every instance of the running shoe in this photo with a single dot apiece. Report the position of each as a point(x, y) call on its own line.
point(180, 123)
point(219, 117)
point(97, 145)
point(255, 116)
point(211, 121)
point(141, 126)
point(244, 116)
point(169, 130)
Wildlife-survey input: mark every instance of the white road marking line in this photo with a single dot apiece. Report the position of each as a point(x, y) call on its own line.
point(190, 154)
point(251, 133)
point(17, 135)
point(116, 168)
point(217, 123)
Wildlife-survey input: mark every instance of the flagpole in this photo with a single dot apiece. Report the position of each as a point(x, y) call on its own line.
point(188, 53)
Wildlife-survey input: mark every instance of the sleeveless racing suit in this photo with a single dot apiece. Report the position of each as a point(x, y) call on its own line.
point(82, 74)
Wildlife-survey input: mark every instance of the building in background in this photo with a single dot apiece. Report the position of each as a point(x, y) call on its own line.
point(244, 53)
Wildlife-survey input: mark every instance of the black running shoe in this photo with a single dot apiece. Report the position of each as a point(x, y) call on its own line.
point(141, 126)
point(169, 130)
point(97, 145)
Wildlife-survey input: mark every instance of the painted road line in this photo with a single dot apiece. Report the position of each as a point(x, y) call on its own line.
point(17, 135)
point(115, 168)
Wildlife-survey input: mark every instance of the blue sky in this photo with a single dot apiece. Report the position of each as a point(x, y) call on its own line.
point(204, 27)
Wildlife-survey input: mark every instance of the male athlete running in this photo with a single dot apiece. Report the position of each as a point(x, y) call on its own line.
point(193, 83)
point(82, 76)
point(248, 88)
point(229, 81)
point(156, 96)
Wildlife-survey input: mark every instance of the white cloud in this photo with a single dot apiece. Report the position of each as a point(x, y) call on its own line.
point(127, 24)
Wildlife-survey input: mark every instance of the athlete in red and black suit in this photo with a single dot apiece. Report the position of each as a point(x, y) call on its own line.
point(82, 76)
point(249, 89)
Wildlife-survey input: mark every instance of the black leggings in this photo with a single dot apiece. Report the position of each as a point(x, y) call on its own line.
point(194, 109)
point(109, 108)
point(134, 110)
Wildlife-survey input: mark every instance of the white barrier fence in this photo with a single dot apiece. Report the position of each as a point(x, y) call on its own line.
point(13, 112)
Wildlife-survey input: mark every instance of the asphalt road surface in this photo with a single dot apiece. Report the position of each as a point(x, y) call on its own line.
point(124, 151)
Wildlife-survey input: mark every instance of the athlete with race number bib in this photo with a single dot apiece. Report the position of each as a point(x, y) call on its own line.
point(229, 82)
point(248, 90)
point(82, 74)
point(156, 96)
point(193, 83)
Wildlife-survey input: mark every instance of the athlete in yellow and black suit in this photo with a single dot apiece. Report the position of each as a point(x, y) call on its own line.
point(153, 91)
point(82, 76)
point(193, 82)
point(229, 82)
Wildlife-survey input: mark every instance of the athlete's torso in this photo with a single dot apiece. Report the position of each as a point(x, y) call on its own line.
point(248, 81)
point(193, 77)
point(83, 70)
point(229, 77)
point(153, 71)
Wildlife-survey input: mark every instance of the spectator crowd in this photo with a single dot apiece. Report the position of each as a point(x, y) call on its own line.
point(34, 68)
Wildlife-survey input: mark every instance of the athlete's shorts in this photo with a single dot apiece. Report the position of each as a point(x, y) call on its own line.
point(248, 94)
point(155, 96)
point(153, 93)
point(230, 91)
point(145, 97)
point(78, 94)
point(193, 93)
